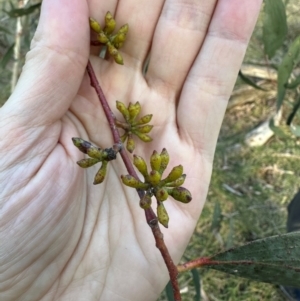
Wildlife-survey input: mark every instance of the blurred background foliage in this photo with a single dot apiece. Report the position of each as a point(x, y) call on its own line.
point(251, 184)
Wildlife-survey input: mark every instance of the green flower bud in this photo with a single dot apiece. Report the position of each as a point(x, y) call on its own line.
point(154, 178)
point(180, 194)
point(110, 23)
point(95, 25)
point(134, 110)
point(118, 59)
point(145, 202)
point(145, 119)
point(141, 165)
point(123, 110)
point(81, 144)
point(145, 129)
point(164, 160)
point(174, 174)
point(162, 215)
point(120, 38)
point(124, 29)
point(131, 181)
point(161, 194)
point(88, 148)
point(112, 50)
point(143, 137)
point(177, 182)
point(99, 177)
point(130, 143)
point(155, 161)
point(85, 163)
point(102, 38)
point(96, 152)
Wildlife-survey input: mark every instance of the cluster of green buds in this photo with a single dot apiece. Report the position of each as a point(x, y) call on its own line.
point(106, 37)
point(96, 155)
point(154, 185)
point(132, 125)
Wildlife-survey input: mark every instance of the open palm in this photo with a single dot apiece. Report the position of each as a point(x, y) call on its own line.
point(63, 238)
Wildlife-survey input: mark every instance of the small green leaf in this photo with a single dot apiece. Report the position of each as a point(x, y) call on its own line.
point(249, 82)
point(7, 56)
point(169, 292)
point(275, 26)
point(289, 61)
point(18, 12)
point(274, 259)
point(196, 281)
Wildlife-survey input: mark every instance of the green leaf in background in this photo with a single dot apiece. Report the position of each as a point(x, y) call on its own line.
point(294, 111)
point(294, 84)
point(169, 292)
point(274, 259)
point(249, 82)
point(18, 12)
point(7, 56)
point(278, 131)
point(196, 281)
point(285, 69)
point(274, 27)
point(216, 218)
point(4, 29)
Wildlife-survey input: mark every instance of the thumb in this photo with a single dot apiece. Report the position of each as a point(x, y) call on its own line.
point(54, 66)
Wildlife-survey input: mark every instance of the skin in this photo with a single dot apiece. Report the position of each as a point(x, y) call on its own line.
point(63, 238)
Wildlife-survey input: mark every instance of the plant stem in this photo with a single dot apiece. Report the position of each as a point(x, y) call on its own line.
point(196, 263)
point(151, 218)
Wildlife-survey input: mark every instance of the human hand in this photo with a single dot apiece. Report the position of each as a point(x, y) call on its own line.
point(63, 238)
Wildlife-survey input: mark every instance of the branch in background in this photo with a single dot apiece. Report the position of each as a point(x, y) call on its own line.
point(151, 218)
point(17, 47)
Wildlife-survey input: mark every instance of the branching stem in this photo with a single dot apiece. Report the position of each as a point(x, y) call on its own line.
point(151, 218)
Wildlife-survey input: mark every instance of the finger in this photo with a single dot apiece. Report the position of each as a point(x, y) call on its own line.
point(209, 83)
point(55, 64)
point(142, 17)
point(178, 36)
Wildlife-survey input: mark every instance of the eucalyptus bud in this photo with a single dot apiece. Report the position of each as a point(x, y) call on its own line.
point(180, 194)
point(161, 194)
point(165, 158)
point(145, 129)
point(154, 177)
point(99, 177)
point(144, 120)
point(162, 215)
point(134, 110)
point(110, 23)
point(123, 110)
point(95, 25)
point(85, 163)
point(131, 181)
point(145, 202)
point(155, 161)
point(130, 143)
point(143, 137)
point(141, 165)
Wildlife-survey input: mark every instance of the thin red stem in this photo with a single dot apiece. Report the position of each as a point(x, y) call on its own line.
point(151, 218)
point(196, 263)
